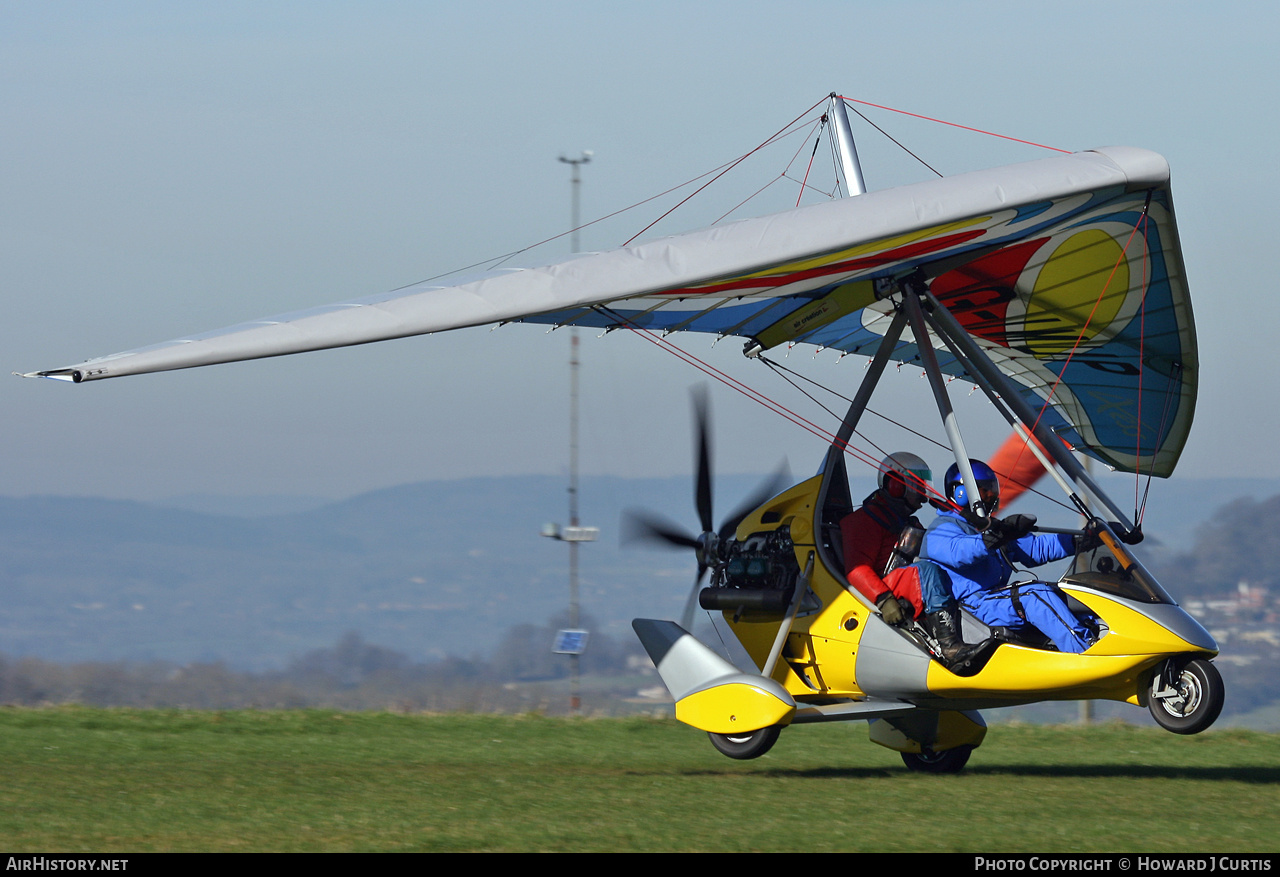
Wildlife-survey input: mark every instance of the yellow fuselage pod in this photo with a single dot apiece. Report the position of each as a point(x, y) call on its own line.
point(820, 659)
point(1117, 667)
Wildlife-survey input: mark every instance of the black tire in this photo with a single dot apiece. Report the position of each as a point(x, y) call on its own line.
point(1198, 700)
point(750, 745)
point(946, 761)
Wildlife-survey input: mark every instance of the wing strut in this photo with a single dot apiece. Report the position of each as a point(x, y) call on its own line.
point(875, 368)
point(913, 288)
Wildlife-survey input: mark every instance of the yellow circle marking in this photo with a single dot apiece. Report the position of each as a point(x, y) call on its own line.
point(1075, 280)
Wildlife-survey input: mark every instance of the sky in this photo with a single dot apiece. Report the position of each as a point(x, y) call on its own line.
point(173, 168)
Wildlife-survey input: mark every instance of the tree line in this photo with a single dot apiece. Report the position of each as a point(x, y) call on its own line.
point(522, 675)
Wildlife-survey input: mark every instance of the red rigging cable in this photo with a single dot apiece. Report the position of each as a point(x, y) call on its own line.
point(1142, 341)
point(804, 184)
point(953, 124)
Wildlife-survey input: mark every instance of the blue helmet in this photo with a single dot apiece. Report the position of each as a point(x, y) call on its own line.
point(988, 485)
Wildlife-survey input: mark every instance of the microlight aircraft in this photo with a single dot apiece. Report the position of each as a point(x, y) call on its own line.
point(1057, 286)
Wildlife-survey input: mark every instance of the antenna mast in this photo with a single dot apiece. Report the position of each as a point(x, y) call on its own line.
point(573, 641)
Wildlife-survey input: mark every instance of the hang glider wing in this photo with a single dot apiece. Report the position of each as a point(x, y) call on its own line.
point(1067, 271)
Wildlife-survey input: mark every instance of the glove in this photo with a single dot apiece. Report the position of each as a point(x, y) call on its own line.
point(908, 610)
point(891, 610)
point(1000, 532)
point(1088, 539)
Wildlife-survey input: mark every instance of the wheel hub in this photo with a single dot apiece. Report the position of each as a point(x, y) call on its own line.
point(1183, 699)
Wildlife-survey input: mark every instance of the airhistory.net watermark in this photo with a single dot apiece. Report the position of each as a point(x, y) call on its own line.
point(64, 863)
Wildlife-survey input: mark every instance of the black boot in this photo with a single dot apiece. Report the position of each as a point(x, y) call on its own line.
point(956, 655)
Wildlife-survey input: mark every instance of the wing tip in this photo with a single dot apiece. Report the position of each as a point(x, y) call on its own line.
point(73, 375)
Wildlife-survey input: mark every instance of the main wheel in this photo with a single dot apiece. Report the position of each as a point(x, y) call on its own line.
point(751, 745)
point(946, 761)
point(1189, 698)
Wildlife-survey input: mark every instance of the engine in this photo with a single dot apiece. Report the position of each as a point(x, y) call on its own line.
point(757, 574)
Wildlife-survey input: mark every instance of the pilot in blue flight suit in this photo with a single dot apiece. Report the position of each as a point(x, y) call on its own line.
point(980, 563)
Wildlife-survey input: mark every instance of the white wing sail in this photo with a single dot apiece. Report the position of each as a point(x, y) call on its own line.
point(1025, 256)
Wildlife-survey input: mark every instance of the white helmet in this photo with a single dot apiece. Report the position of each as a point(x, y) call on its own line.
point(905, 476)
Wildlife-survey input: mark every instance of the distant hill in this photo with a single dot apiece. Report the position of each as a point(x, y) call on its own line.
point(427, 569)
point(431, 569)
point(1240, 543)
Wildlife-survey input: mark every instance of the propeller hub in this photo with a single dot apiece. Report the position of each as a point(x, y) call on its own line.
point(708, 549)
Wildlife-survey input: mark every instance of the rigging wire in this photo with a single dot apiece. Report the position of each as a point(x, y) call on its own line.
point(834, 149)
point(737, 385)
point(719, 171)
point(715, 173)
point(779, 368)
point(804, 184)
point(495, 261)
point(782, 176)
point(952, 124)
point(782, 371)
point(895, 140)
point(780, 133)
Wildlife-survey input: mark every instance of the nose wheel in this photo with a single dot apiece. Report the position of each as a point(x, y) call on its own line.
point(750, 745)
point(1186, 696)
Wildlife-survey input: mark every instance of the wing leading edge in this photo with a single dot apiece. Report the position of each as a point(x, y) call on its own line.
point(1067, 271)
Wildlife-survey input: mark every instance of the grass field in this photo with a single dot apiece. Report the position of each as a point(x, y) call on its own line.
point(79, 780)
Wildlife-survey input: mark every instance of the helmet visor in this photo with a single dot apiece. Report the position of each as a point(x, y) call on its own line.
point(918, 481)
point(989, 493)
